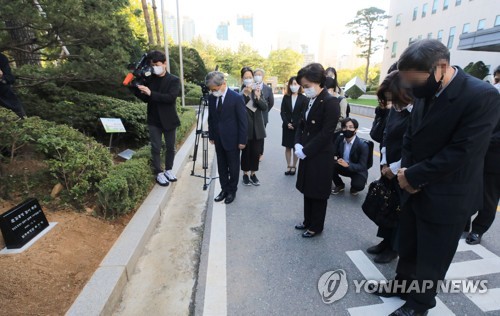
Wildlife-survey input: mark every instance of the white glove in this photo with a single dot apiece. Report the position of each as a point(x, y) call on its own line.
point(300, 154)
point(298, 147)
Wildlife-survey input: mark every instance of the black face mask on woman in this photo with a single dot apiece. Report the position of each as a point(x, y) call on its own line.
point(429, 88)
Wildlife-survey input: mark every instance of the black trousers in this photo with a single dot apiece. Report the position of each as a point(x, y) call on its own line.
point(155, 134)
point(314, 214)
point(228, 165)
point(251, 154)
point(358, 182)
point(425, 253)
point(491, 195)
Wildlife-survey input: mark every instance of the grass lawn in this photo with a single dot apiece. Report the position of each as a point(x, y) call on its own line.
point(370, 102)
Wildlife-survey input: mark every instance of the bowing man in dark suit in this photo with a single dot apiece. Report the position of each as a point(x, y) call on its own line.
point(227, 129)
point(351, 158)
point(8, 98)
point(314, 148)
point(442, 166)
point(491, 186)
point(292, 106)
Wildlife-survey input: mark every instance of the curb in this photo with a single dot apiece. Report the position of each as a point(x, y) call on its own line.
point(104, 289)
point(364, 110)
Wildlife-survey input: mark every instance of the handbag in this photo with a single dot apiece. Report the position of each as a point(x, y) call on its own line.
point(382, 203)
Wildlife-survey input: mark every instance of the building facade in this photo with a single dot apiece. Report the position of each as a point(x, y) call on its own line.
point(444, 20)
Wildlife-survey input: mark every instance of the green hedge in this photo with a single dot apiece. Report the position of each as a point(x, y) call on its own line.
point(76, 161)
point(82, 111)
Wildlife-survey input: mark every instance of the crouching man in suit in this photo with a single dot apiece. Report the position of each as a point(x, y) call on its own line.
point(351, 158)
point(227, 129)
point(442, 167)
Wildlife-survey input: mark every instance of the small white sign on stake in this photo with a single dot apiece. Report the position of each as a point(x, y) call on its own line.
point(113, 125)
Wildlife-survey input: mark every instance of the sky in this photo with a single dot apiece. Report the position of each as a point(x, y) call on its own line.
point(304, 19)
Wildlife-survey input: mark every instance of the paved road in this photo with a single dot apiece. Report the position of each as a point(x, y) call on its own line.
point(254, 262)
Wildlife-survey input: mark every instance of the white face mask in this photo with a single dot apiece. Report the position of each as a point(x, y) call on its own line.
point(158, 70)
point(294, 88)
point(258, 79)
point(310, 92)
point(247, 82)
point(217, 93)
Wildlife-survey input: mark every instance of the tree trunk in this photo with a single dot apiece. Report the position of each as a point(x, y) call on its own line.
point(368, 55)
point(23, 43)
point(147, 20)
point(157, 24)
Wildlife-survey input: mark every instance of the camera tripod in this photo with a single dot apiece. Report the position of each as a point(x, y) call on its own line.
point(200, 133)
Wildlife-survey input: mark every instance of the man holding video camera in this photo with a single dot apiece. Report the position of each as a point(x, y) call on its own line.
point(160, 91)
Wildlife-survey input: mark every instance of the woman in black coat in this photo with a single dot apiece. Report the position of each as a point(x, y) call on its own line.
point(293, 104)
point(397, 100)
point(314, 148)
point(256, 105)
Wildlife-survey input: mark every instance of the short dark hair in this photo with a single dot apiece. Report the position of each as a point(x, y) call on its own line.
point(290, 81)
point(399, 95)
point(246, 69)
point(423, 55)
point(314, 73)
point(157, 56)
point(393, 67)
point(497, 70)
point(347, 120)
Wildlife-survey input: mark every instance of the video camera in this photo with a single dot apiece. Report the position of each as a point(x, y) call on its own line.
point(139, 72)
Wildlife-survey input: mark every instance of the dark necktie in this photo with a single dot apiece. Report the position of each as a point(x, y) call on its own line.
point(219, 104)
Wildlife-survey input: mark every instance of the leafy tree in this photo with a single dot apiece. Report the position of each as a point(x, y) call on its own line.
point(95, 32)
point(478, 70)
point(365, 27)
point(284, 63)
point(194, 67)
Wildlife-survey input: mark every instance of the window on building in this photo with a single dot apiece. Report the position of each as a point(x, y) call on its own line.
point(445, 4)
point(415, 13)
point(497, 20)
point(440, 35)
point(424, 10)
point(458, 2)
point(451, 36)
point(466, 28)
point(481, 24)
point(398, 20)
point(394, 49)
point(429, 35)
point(435, 6)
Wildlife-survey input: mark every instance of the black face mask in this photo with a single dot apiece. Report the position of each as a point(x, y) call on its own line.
point(429, 88)
point(348, 134)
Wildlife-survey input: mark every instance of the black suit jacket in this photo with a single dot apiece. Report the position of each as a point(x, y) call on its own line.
point(292, 116)
point(267, 93)
point(358, 157)
point(228, 124)
point(165, 100)
point(444, 149)
point(8, 98)
point(315, 133)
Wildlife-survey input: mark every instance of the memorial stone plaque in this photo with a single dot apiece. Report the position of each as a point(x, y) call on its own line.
point(22, 223)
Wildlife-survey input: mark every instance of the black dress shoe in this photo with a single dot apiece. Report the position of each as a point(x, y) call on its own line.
point(230, 198)
point(220, 197)
point(300, 226)
point(386, 256)
point(473, 238)
point(407, 311)
point(375, 250)
point(310, 234)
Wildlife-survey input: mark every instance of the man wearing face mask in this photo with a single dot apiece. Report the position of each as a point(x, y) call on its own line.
point(351, 158)
point(267, 93)
point(161, 92)
point(441, 168)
